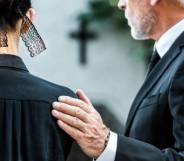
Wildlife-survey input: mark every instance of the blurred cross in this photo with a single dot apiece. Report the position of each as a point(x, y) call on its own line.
point(83, 35)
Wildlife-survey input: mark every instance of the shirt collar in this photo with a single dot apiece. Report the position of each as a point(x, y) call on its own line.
point(12, 61)
point(168, 38)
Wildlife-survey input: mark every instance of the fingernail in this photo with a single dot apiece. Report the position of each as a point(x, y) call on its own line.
point(55, 113)
point(60, 122)
point(61, 98)
point(78, 90)
point(55, 104)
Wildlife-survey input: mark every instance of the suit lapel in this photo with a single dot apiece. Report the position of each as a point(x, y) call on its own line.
point(153, 77)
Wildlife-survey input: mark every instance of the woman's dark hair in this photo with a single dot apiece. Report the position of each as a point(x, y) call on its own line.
point(11, 11)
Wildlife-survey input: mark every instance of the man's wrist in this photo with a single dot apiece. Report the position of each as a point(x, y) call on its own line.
point(110, 151)
point(107, 136)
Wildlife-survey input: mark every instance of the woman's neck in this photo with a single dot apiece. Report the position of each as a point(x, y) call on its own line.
point(13, 42)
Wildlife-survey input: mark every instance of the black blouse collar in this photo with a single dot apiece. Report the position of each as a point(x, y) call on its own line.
point(12, 61)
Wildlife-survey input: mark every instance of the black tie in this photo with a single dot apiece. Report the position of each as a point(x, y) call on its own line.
point(154, 60)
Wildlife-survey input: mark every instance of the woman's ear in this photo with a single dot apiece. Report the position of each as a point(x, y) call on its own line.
point(31, 14)
point(154, 2)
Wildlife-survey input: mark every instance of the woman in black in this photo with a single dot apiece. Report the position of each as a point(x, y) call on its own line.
point(28, 132)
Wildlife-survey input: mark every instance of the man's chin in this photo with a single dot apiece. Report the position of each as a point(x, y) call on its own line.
point(139, 35)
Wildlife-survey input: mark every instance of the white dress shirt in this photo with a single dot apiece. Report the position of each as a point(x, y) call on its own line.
point(168, 38)
point(162, 46)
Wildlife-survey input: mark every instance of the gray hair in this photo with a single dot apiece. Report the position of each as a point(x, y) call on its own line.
point(181, 2)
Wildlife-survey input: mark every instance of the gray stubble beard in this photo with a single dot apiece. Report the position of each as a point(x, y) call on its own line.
point(143, 30)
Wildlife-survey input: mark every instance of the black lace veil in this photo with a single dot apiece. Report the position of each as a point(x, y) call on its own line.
point(31, 37)
point(10, 12)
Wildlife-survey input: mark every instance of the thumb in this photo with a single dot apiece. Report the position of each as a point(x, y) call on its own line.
point(81, 95)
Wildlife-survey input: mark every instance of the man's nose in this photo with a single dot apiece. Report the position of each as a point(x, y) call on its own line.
point(122, 4)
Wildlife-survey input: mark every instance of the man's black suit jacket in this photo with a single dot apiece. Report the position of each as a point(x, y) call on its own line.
point(28, 132)
point(155, 125)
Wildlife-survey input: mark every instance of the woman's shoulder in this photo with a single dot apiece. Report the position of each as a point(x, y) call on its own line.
point(49, 89)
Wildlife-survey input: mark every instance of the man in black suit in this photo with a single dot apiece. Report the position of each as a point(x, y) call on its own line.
point(155, 126)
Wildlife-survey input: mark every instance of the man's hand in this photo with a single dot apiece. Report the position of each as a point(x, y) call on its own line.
point(79, 119)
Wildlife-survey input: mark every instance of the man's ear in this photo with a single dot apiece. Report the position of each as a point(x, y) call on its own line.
point(31, 14)
point(154, 2)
